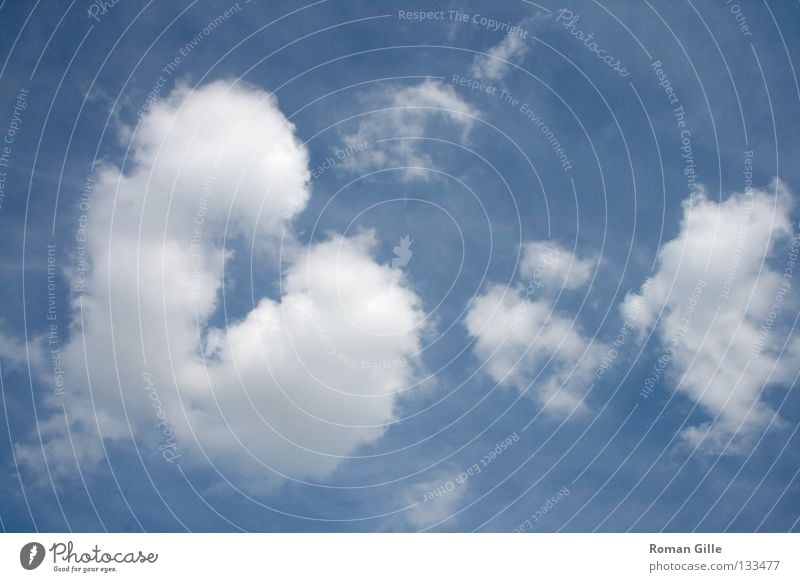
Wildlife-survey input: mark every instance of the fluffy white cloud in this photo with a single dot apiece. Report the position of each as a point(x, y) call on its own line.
point(304, 382)
point(408, 112)
point(523, 342)
point(300, 382)
point(495, 64)
point(715, 303)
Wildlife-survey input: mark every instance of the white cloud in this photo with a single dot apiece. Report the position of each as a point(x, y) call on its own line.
point(303, 382)
point(523, 342)
point(435, 501)
point(549, 264)
point(496, 63)
point(296, 385)
point(710, 302)
point(409, 112)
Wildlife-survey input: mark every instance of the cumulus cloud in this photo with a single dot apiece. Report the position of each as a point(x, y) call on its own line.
point(409, 112)
point(296, 385)
point(523, 342)
point(304, 382)
point(714, 303)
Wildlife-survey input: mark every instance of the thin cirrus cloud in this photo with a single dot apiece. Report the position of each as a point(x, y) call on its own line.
point(524, 343)
point(499, 60)
point(496, 63)
point(714, 304)
point(397, 117)
point(296, 385)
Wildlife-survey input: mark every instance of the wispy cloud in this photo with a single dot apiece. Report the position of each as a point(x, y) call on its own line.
point(398, 117)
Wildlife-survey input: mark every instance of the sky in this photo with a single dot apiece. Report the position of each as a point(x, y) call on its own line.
point(372, 266)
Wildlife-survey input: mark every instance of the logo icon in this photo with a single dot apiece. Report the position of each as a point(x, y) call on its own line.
point(31, 555)
point(402, 252)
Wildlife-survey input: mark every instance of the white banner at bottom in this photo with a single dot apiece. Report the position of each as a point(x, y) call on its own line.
point(390, 557)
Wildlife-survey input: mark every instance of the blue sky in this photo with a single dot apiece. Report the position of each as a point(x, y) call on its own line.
point(602, 341)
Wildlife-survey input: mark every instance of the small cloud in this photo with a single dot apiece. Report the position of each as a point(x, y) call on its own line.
point(434, 501)
point(496, 63)
point(525, 344)
point(549, 265)
point(401, 116)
